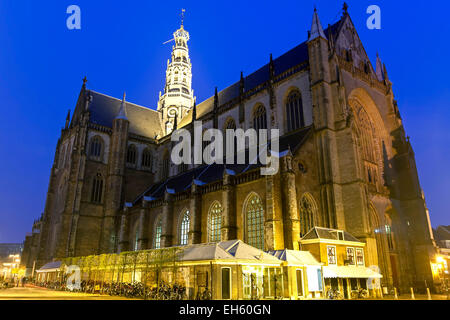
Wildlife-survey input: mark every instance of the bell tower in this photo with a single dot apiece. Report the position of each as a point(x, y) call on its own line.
point(178, 97)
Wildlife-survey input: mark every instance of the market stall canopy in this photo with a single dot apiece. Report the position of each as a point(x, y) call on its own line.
point(349, 272)
point(50, 267)
point(295, 257)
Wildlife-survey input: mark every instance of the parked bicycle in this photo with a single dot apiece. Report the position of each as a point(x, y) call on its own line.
point(361, 293)
point(334, 294)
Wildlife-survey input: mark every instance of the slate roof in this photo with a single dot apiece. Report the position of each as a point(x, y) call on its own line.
point(143, 121)
point(329, 234)
point(291, 58)
point(205, 174)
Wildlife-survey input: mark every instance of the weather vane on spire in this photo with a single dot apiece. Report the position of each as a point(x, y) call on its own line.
point(182, 16)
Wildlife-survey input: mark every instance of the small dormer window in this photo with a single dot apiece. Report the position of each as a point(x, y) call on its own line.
point(341, 235)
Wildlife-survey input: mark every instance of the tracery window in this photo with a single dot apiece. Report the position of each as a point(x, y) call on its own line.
point(308, 214)
point(215, 222)
point(97, 189)
point(260, 118)
point(184, 228)
point(165, 167)
point(147, 159)
point(294, 111)
point(255, 222)
point(131, 154)
point(158, 232)
point(95, 148)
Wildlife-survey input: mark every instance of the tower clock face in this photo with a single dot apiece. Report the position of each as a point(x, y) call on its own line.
point(172, 112)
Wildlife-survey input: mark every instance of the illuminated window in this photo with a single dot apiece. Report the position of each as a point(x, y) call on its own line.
point(215, 222)
point(331, 254)
point(259, 118)
point(294, 111)
point(255, 222)
point(359, 256)
point(351, 256)
point(136, 241)
point(184, 228)
point(157, 237)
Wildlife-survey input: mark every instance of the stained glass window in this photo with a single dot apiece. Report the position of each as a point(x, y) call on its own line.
point(184, 228)
point(294, 111)
point(157, 238)
point(214, 222)
point(259, 118)
point(255, 222)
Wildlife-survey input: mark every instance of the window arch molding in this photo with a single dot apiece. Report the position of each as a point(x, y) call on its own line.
point(184, 222)
point(132, 154)
point(147, 159)
point(214, 219)
point(254, 218)
point(96, 148)
point(259, 116)
point(294, 112)
point(308, 213)
point(229, 123)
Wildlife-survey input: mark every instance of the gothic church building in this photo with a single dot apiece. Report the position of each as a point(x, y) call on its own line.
point(345, 163)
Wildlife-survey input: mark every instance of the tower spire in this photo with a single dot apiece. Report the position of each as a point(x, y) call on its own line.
point(182, 16)
point(379, 69)
point(178, 97)
point(123, 109)
point(316, 28)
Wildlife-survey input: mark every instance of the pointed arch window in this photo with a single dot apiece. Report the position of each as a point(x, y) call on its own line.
point(259, 118)
point(96, 148)
point(308, 214)
point(165, 167)
point(254, 222)
point(136, 240)
point(230, 124)
point(158, 232)
point(215, 222)
point(294, 111)
point(184, 228)
point(131, 154)
point(97, 189)
point(147, 159)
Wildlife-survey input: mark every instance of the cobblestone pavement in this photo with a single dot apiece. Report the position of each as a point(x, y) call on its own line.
point(28, 293)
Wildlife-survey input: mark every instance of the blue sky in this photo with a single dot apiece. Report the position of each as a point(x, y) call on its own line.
point(119, 47)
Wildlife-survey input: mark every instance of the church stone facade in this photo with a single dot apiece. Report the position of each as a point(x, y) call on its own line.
point(345, 163)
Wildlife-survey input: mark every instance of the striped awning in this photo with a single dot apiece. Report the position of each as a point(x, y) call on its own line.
point(349, 272)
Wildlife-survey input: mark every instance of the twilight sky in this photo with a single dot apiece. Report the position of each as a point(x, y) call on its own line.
point(119, 47)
